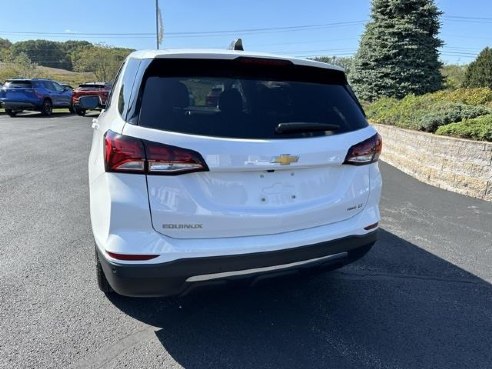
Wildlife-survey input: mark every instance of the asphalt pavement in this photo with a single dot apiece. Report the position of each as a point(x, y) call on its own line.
point(422, 298)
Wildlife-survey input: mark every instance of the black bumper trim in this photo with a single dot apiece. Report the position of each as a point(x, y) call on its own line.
point(170, 278)
point(20, 106)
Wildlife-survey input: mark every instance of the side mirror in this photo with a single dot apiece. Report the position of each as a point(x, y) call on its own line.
point(89, 102)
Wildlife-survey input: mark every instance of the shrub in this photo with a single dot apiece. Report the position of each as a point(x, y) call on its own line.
point(446, 113)
point(469, 96)
point(381, 111)
point(476, 129)
point(430, 111)
point(403, 113)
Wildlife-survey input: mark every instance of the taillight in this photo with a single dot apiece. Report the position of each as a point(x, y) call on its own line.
point(365, 152)
point(165, 159)
point(123, 153)
point(133, 155)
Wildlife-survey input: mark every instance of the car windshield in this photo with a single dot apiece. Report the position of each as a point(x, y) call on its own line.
point(245, 100)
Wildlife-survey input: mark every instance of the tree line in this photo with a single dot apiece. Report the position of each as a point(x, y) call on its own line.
point(21, 58)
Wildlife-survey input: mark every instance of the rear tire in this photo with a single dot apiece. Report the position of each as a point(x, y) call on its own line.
point(102, 282)
point(47, 108)
point(80, 112)
point(11, 112)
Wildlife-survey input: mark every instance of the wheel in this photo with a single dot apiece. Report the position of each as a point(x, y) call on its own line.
point(47, 108)
point(11, 112)
point(102, 282)
point(80, 112)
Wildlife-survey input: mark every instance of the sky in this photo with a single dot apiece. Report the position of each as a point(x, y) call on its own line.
point(302, 28)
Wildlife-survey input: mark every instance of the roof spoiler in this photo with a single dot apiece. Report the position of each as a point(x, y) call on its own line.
point(236, 45)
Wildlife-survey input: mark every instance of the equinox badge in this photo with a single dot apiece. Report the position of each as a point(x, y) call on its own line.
point(285, 159)
point(183, 226)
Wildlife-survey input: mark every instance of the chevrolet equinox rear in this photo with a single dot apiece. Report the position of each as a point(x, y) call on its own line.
point(280, 175)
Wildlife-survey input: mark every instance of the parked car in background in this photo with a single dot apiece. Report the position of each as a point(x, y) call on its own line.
point(100, 89)
point(212, 98)
point(280, 176)
point(36, 94)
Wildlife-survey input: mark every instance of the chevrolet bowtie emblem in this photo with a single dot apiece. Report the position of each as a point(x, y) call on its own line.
point(285, 159)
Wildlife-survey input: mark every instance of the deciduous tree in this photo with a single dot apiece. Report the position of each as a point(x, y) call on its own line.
point(102, 60)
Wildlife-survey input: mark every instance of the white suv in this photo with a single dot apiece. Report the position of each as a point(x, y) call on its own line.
point(279, 175)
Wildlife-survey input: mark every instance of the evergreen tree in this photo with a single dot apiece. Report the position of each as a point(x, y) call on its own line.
point(398, 51)
point(479, 72)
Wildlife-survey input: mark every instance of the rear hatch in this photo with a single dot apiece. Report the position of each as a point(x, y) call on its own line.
point(18, 91)
point(91, 89)
point(271, 151)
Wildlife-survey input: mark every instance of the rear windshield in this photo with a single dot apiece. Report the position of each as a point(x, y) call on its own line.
point(18, 84)
point(88, 87)
point(245, 98)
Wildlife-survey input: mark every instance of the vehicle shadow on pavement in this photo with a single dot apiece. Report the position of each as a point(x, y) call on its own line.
point(37, 115)
point(398, 307)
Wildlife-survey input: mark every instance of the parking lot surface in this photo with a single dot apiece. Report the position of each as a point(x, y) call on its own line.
point(422, 298)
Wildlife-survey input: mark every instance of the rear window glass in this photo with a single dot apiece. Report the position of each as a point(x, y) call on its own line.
point(18, 84)
point(245, 98)
point(88, 87)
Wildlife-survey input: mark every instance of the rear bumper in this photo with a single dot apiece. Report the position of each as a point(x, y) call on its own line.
point(77, 106)
point(19, 105)
point(179, 276)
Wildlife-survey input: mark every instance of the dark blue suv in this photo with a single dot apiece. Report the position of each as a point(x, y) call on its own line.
point(36, 94)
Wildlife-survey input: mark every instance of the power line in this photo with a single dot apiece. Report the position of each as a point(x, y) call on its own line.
point(468, 20)
point(465, 17)
point(193, 34)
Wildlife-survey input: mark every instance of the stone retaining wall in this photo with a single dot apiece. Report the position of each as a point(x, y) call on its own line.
point(462, 166)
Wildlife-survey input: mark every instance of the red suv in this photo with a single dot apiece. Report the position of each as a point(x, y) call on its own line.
point(100, 89)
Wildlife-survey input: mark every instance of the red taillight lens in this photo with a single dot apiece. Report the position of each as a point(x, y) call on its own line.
point(365, 152)
point(132, 155)
point(131, 257)
point(123, 153)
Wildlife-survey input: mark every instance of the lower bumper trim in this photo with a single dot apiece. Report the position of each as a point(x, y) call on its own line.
point(178, 276)
point(208, 277)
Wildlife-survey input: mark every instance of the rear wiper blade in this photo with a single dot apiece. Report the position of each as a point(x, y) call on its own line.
point(301, 127)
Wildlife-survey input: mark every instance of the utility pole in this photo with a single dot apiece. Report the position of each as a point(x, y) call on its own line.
point(157, 23)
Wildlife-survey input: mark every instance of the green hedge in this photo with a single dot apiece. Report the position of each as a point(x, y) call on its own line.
point(446, 113)
point(468, 96)
point(464, 113)
point(402, 113)
point(479, 129)
point(423, 113)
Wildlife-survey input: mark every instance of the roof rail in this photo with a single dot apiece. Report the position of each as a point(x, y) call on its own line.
point(237, 44)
